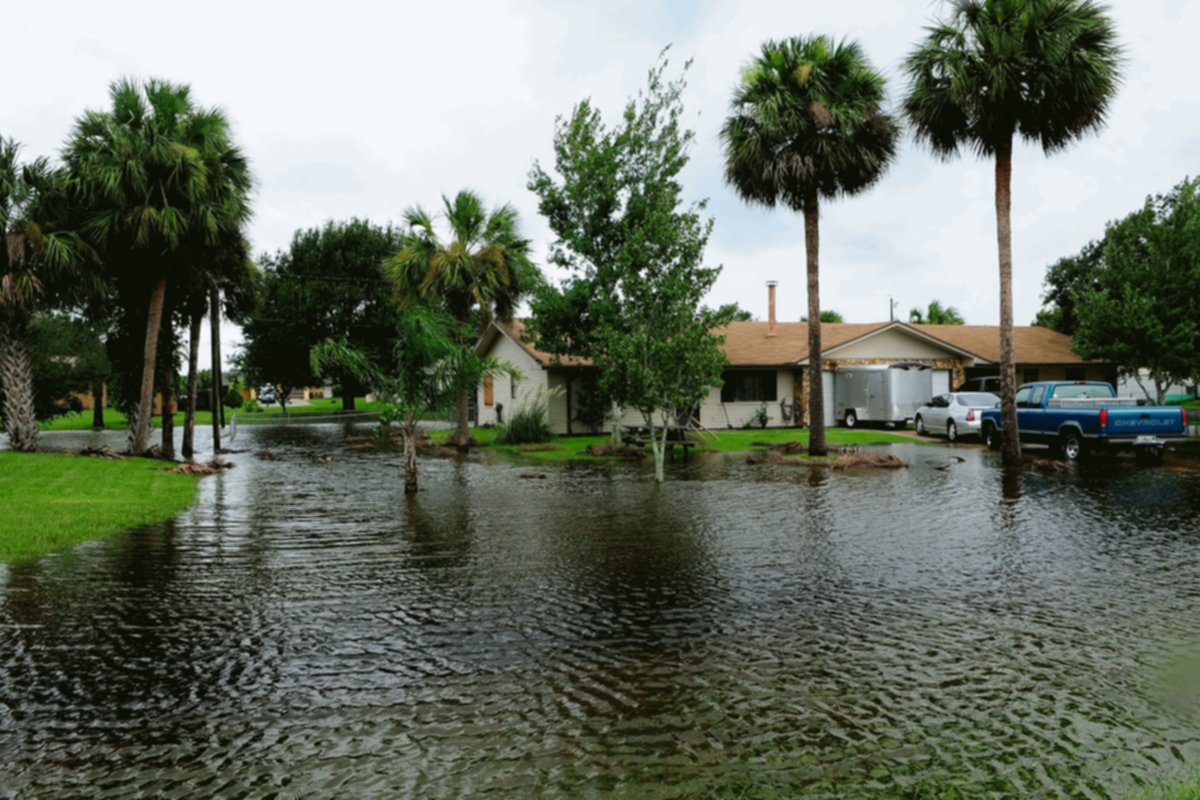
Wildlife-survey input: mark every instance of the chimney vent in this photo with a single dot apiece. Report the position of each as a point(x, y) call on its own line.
point(771, 308)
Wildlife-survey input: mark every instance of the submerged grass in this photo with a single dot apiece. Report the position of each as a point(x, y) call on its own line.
point(115, 420)
point(51, 502)
point(572, 447)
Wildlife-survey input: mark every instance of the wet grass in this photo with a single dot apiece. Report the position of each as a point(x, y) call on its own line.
point(270, 415)
point(1184, 788)
point(571, 447)
point(51, 502)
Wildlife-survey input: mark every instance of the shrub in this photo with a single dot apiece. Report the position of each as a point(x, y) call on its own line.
point(529, 424)
point(252, 407)
point(233, 398)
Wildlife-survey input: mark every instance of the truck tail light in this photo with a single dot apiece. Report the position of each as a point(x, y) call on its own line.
point(971, 415)
point(1183, 417)
point(1104, 418)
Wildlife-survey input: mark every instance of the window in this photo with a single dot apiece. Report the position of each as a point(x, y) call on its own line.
point(1023, 398)
point(978, 399)
point(1029, 376)
point(1076, 374)
point(748, 386)
point(1036, 400)
point(1086, 390)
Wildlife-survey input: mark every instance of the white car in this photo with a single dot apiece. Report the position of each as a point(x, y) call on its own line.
point(955, 414)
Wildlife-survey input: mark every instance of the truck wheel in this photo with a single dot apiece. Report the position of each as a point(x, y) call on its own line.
point(1071, 444)
point(850, 420)
point(991, 437)
point(952, 431)
point(919, 425)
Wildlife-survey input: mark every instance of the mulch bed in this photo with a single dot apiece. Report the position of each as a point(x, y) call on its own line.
point(619, 452)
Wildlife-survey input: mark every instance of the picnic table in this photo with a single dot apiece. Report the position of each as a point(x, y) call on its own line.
point(639, 436)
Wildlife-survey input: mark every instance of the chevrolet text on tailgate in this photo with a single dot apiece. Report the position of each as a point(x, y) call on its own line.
point(1078, 416)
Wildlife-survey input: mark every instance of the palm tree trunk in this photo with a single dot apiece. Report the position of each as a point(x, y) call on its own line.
point(462, 428)
point(1011, 445)
point(98, 405)
point(410, 455)
point(215, 314)
point(139, 435)
point(816, 387)
point(168, 412)
point(189, 420)
point(16, 375)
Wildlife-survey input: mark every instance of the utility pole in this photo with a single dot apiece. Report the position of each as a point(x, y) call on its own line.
point(892, 303)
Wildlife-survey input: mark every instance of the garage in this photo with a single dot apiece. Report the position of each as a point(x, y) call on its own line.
point(941, 381)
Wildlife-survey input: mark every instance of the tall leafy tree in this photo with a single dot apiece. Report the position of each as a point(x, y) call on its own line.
point(993, 70)
point(936, 314)
point(1138, 304)
point(162, 181)
point(633, 304)
point(827, 316)
point(483, 267)
point(429, 367)
point(39, 263)
point(806, 123)
point(328, 284)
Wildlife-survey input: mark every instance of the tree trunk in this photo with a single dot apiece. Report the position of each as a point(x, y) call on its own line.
point(618, 415)
point(658, 448)
point(410, 456)
point(215, 320)
point(139, 435)
point(168, 414)
point(816, 386)
point(1011, 445)
point(189, 420)
point(98, 406)
point(16, 375)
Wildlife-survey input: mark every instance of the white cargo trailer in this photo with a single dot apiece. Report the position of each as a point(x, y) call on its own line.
point(881, 393)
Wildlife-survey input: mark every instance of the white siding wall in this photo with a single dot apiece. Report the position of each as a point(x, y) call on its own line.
point(715, 414)
point(533, 377)
point(890, 344)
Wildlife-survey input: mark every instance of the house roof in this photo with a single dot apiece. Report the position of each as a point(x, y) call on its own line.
point(747, 343)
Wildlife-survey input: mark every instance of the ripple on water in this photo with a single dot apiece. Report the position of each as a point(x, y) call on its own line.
point(307, 628)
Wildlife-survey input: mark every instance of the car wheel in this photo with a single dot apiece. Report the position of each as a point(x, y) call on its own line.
point(952, 431)
point(919, 424)
point(991, 437)
point(850, 420)
point(1072, 446)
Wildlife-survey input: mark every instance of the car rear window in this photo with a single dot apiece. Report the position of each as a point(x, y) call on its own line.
point(1075, 391)
point(981, 399)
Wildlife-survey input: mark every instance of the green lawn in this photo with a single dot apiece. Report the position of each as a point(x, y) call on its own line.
point(53, 501)
point(269, 415)
point(568, 447)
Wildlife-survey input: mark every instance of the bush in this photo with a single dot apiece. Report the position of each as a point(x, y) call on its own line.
point(529, 424)
point(233, 398)
point(252, 407)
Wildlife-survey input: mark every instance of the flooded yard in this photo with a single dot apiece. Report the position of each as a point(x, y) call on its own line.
point(307, 630)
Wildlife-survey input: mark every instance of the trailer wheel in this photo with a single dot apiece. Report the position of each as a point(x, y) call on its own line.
point(1071, 444)
point(850, 420)
point(991, 437)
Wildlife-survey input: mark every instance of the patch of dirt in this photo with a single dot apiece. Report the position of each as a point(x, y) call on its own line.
point(790, 448)
point(100, 451)
point(211, 468)
point(868, 461)
point(539, 448)
point(608, 450)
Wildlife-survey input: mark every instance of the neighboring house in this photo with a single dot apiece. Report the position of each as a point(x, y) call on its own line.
point(768, 367)
point(1127, 386)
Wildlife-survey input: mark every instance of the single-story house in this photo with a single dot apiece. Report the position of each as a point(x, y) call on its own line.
point(768, 366)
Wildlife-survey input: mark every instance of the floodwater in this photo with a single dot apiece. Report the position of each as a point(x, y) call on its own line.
point(760, 631)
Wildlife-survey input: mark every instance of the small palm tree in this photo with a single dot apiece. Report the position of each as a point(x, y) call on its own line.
point(483, 267)
point(39, 260)
point(163, 184)
point(936, 314)
point(1044, 70)
point(806, 124)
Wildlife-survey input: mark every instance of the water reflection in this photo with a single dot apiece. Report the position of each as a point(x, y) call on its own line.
point(307, 627)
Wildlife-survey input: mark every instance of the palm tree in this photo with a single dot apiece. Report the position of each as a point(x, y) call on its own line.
point(936, 314)
point(1045, 70)
point(162, 182)
point(806, 124)
point(38, 260)
point(483, 267)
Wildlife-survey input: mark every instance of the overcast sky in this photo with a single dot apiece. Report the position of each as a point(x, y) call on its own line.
point(362, 109)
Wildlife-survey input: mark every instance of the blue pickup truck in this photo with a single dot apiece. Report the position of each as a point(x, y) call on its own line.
point(1078, 416)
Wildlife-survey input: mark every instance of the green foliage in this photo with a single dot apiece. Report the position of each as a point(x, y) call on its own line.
point(1044, 70)
point(826, 316)
point(1135, 295)
point(67, 357)
point(529, 424)
point(1067, 280)
point(233, 398)
point(327, 285)
point(633, 302)
point(936, 314)
point(807, 121)
point(252, 407)
point(592, 409)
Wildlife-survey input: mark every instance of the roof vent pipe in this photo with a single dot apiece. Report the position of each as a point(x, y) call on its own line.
point(771, 308)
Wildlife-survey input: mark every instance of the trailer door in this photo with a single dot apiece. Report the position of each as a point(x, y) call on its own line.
point(876, 401)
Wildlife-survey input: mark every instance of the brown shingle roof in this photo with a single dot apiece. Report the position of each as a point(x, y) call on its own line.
point(1033, 345)
point(746, 343)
